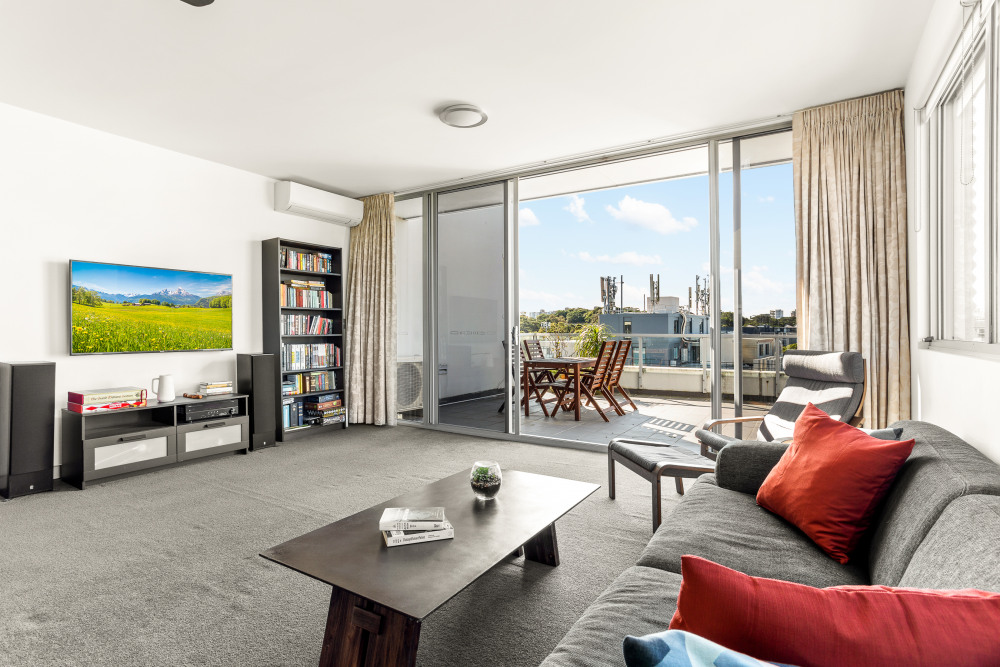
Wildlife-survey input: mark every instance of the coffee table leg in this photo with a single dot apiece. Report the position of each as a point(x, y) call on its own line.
point(360, 632)
point(543, 547)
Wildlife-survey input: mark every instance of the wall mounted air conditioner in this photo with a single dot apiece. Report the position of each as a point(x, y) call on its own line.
point(299, 199)
point(409, 385)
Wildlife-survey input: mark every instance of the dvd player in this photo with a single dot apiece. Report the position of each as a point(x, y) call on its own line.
point(192, 412)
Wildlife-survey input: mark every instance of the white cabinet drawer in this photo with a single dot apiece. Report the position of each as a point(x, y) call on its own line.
point(124, 453)
point(211, 437)
point(129, 452)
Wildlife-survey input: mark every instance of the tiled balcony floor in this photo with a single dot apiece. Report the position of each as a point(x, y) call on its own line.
point(659, 419)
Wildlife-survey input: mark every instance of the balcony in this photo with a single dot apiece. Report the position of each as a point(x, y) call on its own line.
point(670, 381)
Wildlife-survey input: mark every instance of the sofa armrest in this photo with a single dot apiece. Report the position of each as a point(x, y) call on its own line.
point(742, 465)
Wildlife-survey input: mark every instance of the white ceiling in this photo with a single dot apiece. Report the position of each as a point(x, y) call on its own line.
point(342, 95)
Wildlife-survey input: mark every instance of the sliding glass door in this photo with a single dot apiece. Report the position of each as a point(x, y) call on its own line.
point(472, 232)
point(687, 254)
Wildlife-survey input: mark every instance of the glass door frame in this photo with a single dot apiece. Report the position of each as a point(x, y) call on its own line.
point(511, 325)
point(737, 162)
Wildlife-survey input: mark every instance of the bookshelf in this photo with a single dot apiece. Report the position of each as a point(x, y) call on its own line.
point(304, 328)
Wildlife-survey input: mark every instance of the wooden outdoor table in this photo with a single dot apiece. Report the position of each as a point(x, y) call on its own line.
point(570, 365)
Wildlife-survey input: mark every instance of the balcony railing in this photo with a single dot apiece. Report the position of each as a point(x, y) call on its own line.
point(680, 363)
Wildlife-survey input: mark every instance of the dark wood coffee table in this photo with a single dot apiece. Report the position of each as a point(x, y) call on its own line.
point(381, 595)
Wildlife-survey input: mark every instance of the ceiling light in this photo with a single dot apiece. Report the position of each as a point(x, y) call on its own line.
point(199, 3)
point(462, 115)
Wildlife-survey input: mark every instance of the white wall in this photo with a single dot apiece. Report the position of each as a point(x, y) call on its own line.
point(956, 391)
point(70, 192)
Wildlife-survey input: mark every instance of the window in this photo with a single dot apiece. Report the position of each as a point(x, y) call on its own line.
point(677, 325)
point(627, 326)
point(962, 144)
point(964, 237)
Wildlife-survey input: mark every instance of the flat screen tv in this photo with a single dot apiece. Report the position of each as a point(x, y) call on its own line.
point(116, 308)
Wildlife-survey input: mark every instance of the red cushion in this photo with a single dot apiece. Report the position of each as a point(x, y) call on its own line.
point(831, 479)
point(845, 625)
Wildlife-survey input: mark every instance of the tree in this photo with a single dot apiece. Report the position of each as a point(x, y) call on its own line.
point(86, 297)
point(727, 319)
point(221, 302)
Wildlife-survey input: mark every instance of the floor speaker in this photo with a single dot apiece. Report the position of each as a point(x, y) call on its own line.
point(257, 375)
point(27, 427)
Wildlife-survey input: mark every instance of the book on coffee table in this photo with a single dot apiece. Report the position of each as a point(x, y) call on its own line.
point(413, 518)
point(394, 538)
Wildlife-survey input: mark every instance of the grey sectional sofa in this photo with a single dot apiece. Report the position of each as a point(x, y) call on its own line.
point(939, 527)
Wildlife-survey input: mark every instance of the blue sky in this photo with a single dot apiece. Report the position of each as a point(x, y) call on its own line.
point(567, 243)
point(116, 279)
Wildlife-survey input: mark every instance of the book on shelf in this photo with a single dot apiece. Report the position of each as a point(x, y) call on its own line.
point(308, 356)
point(306, 325)
point(297, 260)
point(412, 518)
point(326, 421)
point(309, 382)
point(316, 404)
point(305, 295)
point(109, 406)
point(395, 538)
point(292, 415)
point(112, 395)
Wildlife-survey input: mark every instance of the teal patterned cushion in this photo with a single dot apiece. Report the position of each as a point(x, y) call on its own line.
point(676, 648)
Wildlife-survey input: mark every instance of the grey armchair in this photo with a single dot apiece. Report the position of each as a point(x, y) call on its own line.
point(832, 381)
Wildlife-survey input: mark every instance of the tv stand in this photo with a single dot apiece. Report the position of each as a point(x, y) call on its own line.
point(108, 445)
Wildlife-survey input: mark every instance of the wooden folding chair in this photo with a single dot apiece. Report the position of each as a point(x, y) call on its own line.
point(614, 376)
point(590, 382)
point(533, 350)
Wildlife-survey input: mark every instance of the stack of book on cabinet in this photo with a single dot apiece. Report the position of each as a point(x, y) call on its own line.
point(409, 525)
point(105, 400)
point(217, 387)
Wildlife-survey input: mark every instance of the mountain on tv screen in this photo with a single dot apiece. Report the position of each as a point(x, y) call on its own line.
point(121, 308)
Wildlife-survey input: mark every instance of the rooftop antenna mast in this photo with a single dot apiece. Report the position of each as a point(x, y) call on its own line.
point(701, 296)
point(654, 291)
point(609, 290)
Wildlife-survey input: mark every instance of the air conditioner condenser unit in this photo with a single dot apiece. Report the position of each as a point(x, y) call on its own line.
point(298, 199)
point(409, 385)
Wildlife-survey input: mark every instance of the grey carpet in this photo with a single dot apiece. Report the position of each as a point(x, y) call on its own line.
point(162, 568)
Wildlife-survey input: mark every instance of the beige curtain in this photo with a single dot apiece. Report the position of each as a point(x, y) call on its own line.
point(371, 315)
point(850, 216)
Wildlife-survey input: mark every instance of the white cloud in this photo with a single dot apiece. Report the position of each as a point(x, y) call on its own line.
point(756, 279)
point(649, 215)
point(535, 300)
point(527, 218)
point(629, 257)
point(766, 200)
point(576, 208)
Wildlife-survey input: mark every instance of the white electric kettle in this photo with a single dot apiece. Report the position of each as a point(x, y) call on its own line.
point(163, 387)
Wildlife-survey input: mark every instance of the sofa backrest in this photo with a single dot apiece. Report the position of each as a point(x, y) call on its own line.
point(832, 381)
point(941, 468)
point(962, 550)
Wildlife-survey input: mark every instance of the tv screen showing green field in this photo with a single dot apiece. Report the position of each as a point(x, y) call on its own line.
point(120, 308)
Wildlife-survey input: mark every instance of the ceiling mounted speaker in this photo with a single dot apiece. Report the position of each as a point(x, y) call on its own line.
point(463, 115)
point(198, 3)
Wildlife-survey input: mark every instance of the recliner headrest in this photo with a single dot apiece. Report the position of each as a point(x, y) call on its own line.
point(825, 366)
